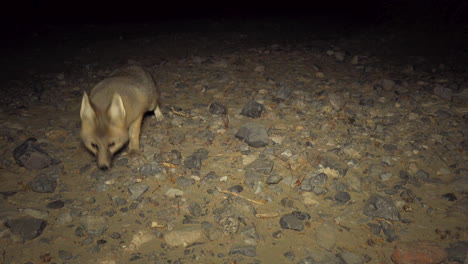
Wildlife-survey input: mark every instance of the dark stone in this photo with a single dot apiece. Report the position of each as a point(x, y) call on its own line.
point(210, 176)
point(236, 189)
point(449, 197)
point(31, 156)
point(254, 134)
point(286, 202)
point(65, 255)
point(151, 169)
point(262, 165)
point(290, 221)
point(301, 216)
point(185, 182)
point(56, 204)
point(342, 197)
point(192, 162)
point(218, 109)
point(274, 179)
point(26, 228)
point(458, 251)
point(173, 157)
point(43, 184)
point(290, 255)
point(201, 154)
point(283, 92)
point(388, 231)
point(249, 251)
point(383, 207)
point(252, 109)
point(115, 235)
point(319, 179)
point(195, 209)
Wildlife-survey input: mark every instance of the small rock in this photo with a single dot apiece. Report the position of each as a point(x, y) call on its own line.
point(249, 251)
point(252, 109)
point(31, 156)
point(43, 184)
point(283, 92)
point(185, 182)
point(254, 134)
point(56, 204)
point(261, 165)
point(26, 228)
point(458, 251)
point(336, 101)
point(383, 207)
point(443, 92)
point(193, 162)
point(325, 236)
point(387, 85)
point(218, 109)
point(290, 255)
point(342, 197)
point(137, 190)
point(173, 157)
point(183, 237)
point(152, 169)
point(236, 189)
point(65, 255)
point(94, 225)
point(389, 231)
point(195, 209)
point(176, 138)
point(294, 221)
point(172, 193)
point(274, 179)
point(423, 252)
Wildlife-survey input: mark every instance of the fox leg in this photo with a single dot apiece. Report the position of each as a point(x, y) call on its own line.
point(159, 115)
point(134, 134)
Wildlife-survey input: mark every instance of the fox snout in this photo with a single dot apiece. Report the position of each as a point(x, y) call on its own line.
point(104, 158)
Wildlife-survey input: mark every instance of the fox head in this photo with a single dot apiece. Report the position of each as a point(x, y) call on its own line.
point(103, 132)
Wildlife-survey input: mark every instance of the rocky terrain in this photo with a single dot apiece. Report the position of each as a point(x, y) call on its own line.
point(277, 147)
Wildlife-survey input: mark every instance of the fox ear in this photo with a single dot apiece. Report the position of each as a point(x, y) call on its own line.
point(87, 111)
point(117, 110)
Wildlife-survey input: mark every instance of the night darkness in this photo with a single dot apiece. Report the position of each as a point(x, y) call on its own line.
point(331, 131)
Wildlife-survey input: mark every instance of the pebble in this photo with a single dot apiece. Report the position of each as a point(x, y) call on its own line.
point(294, 221)
point(26, 228)
point(185, 182)
point(31, 156)
point(137, 190)
point(193, 162)
point(290, 255)
point(249, 251)
point(172, 193)
point(261, 165)
point(443, 92)
point(218, 109)
point(308, 260)
point(94, 225)
point(57, 204)
point(184, 236)
point(458, 251)
point(254, 134)
point(381, 207)
point(274, 179)
point(43, 184)
point(252, 109)
point(325, 236)
point(342, 197)
point(65, 255)
point(283, 92)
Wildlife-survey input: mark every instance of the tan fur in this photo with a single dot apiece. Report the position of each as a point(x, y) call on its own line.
point(112, 114)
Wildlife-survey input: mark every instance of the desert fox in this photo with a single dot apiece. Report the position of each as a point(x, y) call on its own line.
point(112, 114)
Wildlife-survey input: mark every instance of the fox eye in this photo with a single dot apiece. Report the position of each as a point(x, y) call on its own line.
point(111, 144)
point(94, 145)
